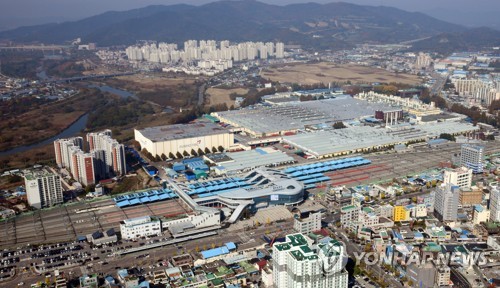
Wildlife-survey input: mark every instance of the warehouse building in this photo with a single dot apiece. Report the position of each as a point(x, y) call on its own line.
point(356, 139)
point(181, 138)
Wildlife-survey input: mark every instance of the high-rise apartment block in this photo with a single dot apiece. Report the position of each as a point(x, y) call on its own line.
point(114, 152)
point(298, 262)
point(43, 189)
point(105, 159)
point(424, 60)
point(483, 91)
point(495, 202)
point(205, 50)
point(471, 156)
point(446, 202)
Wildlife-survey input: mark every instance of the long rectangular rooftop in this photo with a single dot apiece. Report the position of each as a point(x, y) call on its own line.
point(179, 131)
point(353, 138)
point(292, 116)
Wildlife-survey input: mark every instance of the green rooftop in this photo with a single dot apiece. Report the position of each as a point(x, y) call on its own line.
point(347, 208)
point(297, 240)
point(305, 249)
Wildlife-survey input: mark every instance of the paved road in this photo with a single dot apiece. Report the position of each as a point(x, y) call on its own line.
point(201, 94)
point(439, 84)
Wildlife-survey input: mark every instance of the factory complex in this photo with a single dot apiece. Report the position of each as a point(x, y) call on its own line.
point(369, 122)
point(290, 117)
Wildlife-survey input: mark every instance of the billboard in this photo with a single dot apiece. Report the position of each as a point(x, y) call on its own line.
point(275, 197)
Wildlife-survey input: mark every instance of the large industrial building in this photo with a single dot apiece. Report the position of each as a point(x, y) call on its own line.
point(180, 138)
point(366, 138)
point(285, 119)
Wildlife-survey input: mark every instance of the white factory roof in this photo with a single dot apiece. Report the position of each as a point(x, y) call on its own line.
point(295, 115)
point(254, 158)
point(180, 131)
point(352, 138)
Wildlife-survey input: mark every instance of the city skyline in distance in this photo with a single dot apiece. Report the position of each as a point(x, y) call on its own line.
point(14, 13)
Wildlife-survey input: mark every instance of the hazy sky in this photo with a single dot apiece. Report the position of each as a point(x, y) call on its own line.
point(27, 12)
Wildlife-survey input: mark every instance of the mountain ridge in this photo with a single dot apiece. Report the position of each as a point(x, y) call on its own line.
point(333, 25)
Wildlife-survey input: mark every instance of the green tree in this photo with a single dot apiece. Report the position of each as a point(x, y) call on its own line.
point(214, 150)
point(339, 125)
point(163, 157)
point(207, 151)
point(447, 136)
point(157, 158)
point(171, 155)
point(193, 153)
point(178, 155)
point(90, 188)
point(185, 153)
point(200, 152)
point(221, 149)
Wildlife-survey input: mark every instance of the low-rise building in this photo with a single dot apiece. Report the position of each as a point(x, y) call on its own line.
point(472, 196)
point(480, 214)
point(349, 216)
point(140, 227)
point(400, 213)
point(89, 281)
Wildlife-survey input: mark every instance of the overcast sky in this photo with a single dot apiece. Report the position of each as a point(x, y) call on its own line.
point(28, 12)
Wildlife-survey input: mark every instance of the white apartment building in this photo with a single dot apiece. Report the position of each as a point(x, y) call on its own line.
point(494, 202)
point(446, 202)
point(309, 224)
point(471, 156)
point(43, 189)
point(140, 227)
point(167, 53)
point(424, 60)
point(368, 218)
point(417, 211)
point(461, 177)
point(297, 263)
point(384, 210)
point(349, 217)
point(483, 91)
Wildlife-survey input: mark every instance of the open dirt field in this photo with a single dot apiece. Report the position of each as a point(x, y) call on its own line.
point(219, 96)
point(328, 72)
point(161, 90)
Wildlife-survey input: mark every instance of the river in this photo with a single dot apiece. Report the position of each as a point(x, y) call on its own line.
point(72, 130)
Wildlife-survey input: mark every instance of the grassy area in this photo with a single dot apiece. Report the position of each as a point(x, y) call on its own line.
point(46, 121)
point(328, 72)
point(159, 89)
point(220, 96)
